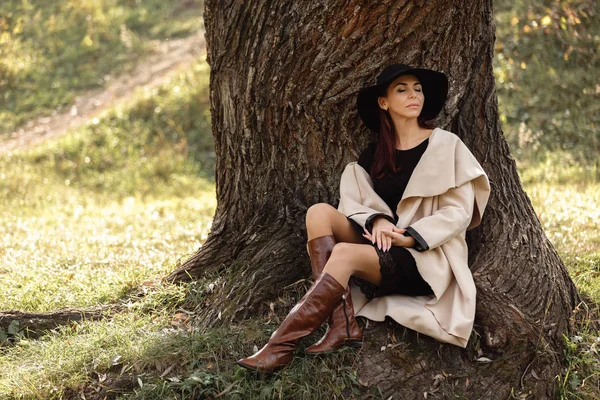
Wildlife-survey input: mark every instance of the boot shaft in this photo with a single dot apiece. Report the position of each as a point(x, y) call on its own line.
point(319, 251)
point(308, 315)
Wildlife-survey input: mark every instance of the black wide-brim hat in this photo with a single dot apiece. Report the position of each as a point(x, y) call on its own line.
point(435, 91)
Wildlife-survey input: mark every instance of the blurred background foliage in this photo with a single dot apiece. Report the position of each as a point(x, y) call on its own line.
point(154, 143)
point(51, 50)
point(547, 69)
point(546, 62)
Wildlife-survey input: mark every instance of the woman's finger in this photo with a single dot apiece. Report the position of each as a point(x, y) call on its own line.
point(399, 230)
point(391, 234)
point(385, 239)
point(370, 236)
point(396, 239)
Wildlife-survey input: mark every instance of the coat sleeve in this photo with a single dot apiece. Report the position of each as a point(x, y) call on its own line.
point(455, 210)
point(358, 199)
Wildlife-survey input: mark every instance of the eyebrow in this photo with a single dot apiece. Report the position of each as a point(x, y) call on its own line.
point(405, 84)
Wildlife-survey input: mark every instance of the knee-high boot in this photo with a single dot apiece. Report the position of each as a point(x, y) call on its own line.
point(306, 316)
point(342, 329)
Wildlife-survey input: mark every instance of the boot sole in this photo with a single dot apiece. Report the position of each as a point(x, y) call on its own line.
point(262, 373)
point(353, 344)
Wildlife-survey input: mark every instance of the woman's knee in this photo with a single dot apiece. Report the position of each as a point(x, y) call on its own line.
point(354, 256)
point(338, 260)
point(318, 212)
point(344, 254)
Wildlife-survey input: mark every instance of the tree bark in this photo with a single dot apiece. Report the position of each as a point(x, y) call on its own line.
point(284, 80)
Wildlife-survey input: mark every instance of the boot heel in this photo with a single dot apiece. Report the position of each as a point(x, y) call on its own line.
point(355, 344)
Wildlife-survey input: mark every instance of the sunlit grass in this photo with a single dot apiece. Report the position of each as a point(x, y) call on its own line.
point(565, 198)
point(569, 214)
point(155, 351)
point(71, 355)
point(90, 216)
point(89, 254)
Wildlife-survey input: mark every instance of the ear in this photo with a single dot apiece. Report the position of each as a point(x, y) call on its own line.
point(382, 103)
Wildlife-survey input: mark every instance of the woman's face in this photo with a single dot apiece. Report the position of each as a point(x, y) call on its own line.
point(404, 97)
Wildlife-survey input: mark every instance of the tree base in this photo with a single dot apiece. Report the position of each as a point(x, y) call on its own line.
point(408, 365)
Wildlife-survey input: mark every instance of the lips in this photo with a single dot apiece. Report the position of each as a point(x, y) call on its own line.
point(412, 105)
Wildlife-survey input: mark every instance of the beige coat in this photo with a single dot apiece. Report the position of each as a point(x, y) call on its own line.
point(445, 196)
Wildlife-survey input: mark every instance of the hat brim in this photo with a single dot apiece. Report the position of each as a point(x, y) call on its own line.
point(435, 91)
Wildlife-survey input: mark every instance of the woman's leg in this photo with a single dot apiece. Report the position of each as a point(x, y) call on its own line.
point(349, 259)
point(322, 222)
point(322, 219)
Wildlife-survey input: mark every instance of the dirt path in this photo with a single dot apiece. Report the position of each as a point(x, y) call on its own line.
point(169, 56)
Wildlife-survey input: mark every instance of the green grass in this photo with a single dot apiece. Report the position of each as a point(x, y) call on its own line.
point(86, 253)
point(52, 50)
point(90, 217)
point(565, 196)
point(152, 352)
point(94, 214)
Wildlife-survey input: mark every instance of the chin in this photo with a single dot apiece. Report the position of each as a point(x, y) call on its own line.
point(413, 114)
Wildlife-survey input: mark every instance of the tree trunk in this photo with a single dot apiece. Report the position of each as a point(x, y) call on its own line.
point(284, 80)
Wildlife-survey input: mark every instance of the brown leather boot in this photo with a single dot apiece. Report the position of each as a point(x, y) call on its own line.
point(342, 330)
point(319, 250)
point(306, 316)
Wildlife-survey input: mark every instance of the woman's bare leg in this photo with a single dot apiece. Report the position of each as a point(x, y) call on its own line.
point(352, 255)
point(349, 259)
point(322, 219)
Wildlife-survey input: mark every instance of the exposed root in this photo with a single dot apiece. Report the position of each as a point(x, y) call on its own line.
point(35, 323)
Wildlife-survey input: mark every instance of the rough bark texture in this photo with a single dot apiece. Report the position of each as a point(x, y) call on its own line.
point(284, 79)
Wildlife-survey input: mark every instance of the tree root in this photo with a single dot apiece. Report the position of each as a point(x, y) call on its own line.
point(34, 324)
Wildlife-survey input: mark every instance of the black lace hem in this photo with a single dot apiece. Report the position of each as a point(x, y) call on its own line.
point(398, 276)
point(387, 267)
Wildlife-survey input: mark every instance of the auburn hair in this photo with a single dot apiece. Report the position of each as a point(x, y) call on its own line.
point(384, 160)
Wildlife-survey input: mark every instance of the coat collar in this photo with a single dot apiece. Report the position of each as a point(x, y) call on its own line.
point(445, 163)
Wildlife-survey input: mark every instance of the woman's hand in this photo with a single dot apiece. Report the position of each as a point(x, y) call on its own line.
point(376, 236)
point(394, 236)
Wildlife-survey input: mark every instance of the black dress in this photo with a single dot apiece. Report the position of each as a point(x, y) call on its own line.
point(399, 273)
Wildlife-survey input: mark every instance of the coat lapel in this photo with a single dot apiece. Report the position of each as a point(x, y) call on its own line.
point(437, 172)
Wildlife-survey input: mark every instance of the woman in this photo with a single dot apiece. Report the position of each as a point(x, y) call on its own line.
point(395, 245)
